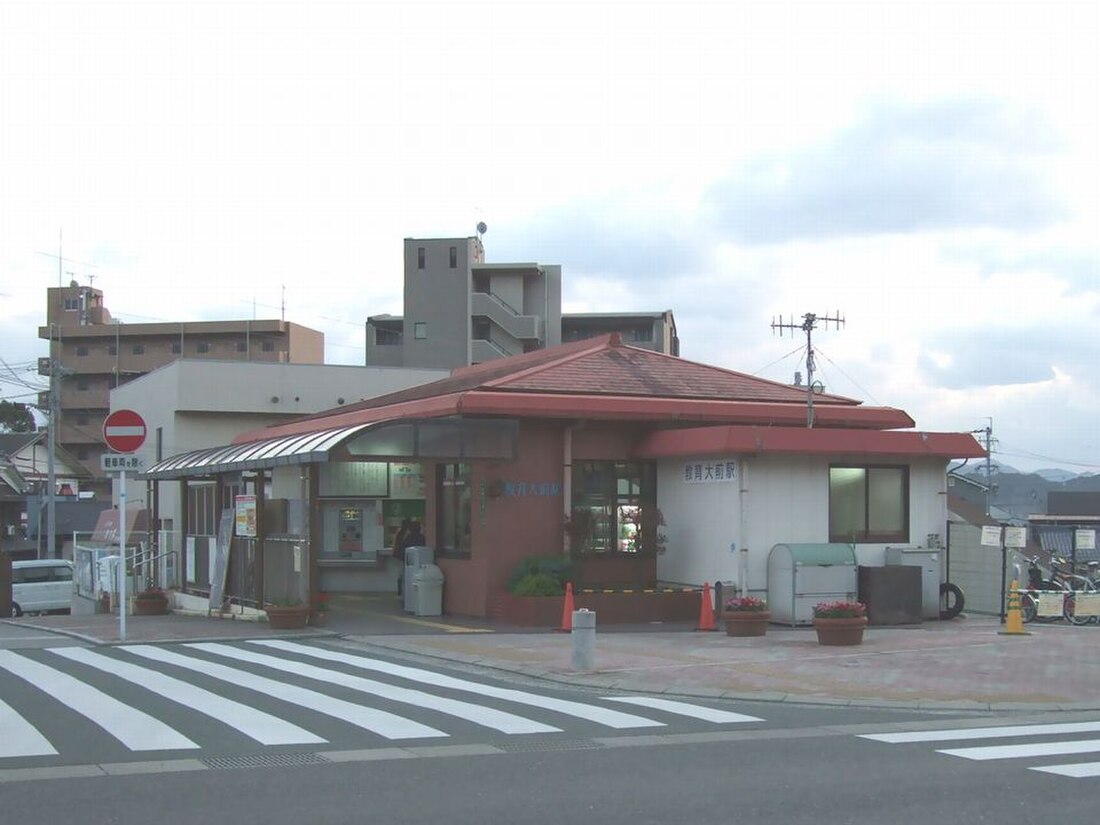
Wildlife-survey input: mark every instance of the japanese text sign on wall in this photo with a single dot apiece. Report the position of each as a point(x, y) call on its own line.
point(705, 472)
point(1085, 539)
point(1016, 537)
point(991, 535)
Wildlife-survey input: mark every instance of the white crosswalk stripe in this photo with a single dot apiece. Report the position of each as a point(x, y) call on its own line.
point(20, 738)
point(1023, 750)
point(685, 709)
point(498, 720)
point(123, 690)
point(592, 713)
point(386, 724)
point(136, 730)
point(255, 724)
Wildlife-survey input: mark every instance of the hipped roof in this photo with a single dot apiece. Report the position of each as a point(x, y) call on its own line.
point(601, 378)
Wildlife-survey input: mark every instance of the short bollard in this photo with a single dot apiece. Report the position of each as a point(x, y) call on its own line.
point(584, 639)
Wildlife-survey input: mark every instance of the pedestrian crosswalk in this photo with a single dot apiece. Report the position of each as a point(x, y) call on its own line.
point(1041, 741)
point(204, 697)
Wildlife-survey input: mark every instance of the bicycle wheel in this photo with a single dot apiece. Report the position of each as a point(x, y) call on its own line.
point(951, 600)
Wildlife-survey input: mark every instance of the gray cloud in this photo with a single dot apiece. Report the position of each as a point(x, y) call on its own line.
point(1079, 268)
point(899, 169)
point(984, 358)
point(598, 240)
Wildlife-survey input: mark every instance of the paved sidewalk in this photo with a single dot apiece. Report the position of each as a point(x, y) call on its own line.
point(962, 664)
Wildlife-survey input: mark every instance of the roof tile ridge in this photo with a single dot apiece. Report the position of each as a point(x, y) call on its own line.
point(595, 345)
point(535, 355)
point(739, 374)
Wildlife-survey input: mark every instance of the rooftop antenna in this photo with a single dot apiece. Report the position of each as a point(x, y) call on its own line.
point(481, 230)
point(809, 323)
point(282, 305)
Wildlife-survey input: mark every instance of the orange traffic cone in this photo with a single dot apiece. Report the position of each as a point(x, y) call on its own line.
point(706, 610)
point(567, 610)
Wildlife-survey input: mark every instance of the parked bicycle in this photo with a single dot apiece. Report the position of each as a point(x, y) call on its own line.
point(1063, 581)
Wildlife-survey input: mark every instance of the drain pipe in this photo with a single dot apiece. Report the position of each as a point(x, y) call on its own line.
point(567, 480)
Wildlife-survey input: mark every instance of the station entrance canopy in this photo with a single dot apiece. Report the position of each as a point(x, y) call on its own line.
point(452, 438)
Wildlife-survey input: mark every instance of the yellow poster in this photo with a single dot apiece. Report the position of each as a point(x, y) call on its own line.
point(246, 515)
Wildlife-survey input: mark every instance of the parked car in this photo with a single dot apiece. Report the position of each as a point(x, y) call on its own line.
point(41, 586)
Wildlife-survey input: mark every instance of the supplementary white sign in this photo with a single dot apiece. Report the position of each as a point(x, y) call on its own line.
point(117, 462)
point(1016, 537)
point(1085, 539)
point(705, 472)
point(991, 535)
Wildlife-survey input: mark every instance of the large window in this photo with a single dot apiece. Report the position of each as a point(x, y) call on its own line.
point(614, 508)
point(868, 504)
point(453, 498)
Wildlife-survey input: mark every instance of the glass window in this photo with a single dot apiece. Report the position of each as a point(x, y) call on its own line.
point(177, 347)
point(112, 349)
point(242, 346)
point(868, 504)
point(268, 346)
point(202, 347)
point(82, 383)
point(72, 303)
point(453, 498)
point(454, 257)
point(614, 508)
point(420, 330)
point(139, 349)
point(420, 257)
point(82, 350)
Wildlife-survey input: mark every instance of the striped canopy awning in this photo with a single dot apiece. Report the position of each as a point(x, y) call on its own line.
point(271, 452)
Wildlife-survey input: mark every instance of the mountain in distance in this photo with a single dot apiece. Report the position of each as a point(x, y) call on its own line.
point(1024, 494)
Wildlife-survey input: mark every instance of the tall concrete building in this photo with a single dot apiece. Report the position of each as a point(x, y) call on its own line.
point(94, 353)
point(460, 310)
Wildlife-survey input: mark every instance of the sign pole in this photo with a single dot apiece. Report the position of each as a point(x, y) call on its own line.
point(122, 556)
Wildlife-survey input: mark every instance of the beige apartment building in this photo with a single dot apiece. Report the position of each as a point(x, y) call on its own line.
point(92, 354)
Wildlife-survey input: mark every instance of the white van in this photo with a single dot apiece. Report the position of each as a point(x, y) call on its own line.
point(41, 585)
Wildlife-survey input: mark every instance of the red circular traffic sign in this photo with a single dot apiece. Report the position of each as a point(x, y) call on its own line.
point(124, 431)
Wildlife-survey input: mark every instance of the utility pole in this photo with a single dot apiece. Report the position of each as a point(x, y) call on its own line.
point(987, 431)
point(809, 323)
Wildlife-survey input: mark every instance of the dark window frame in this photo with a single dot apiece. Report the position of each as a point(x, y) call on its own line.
point(454, 510)
point(421, 257)
point(866, 535)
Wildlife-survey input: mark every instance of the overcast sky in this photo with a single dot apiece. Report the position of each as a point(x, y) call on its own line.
point(929, 170)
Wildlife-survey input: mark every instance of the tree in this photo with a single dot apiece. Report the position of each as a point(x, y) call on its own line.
point(16, 418)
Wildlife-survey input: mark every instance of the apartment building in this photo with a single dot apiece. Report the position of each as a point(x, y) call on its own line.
point(94, 353)
point(461, 310)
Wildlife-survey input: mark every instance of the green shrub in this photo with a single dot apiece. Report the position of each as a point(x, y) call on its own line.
point(558, 568)
point(538, 584)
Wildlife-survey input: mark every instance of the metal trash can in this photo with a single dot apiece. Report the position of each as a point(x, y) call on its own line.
point(415, 557)
point(928, 560)
point(427, 590)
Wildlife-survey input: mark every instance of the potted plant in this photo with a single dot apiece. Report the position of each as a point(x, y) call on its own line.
point(745, 616)
point(152, 601)
point(318, 617)
point(840, 622)
point(287, 614)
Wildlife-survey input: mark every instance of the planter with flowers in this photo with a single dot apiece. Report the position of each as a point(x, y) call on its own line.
point(745, 616)
point(840, 623)
point(152, 601)
point(318, 617)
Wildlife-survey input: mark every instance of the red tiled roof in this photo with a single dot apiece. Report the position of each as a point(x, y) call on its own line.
point(601, 378)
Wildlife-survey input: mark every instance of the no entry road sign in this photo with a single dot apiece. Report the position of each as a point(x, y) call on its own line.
point(124, 431)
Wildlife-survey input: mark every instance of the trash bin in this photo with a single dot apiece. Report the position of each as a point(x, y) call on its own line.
point(427, 590)
point(928, 560)
point(801, 575)
point(415, 557)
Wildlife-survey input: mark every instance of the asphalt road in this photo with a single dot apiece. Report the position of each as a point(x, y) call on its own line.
point(608, 758)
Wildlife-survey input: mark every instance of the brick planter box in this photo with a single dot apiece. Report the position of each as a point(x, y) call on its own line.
point(610, 608)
